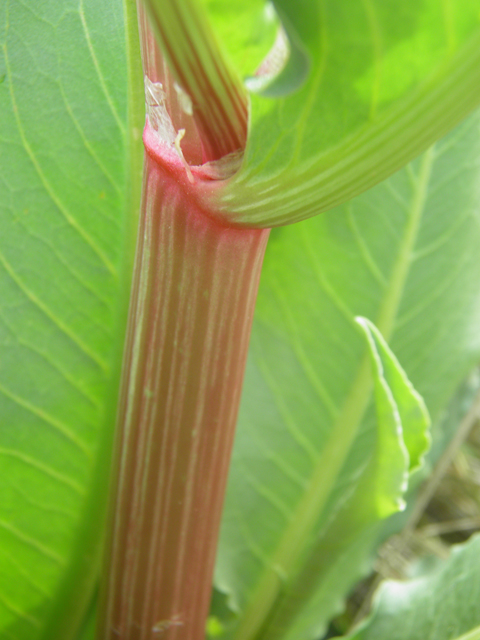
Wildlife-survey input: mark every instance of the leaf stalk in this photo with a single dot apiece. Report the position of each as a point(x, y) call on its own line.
point(194, 290)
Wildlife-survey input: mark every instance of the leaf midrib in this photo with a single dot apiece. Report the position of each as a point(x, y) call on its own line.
point(289, 551)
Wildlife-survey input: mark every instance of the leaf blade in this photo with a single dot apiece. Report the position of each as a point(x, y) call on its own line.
point(66, 243)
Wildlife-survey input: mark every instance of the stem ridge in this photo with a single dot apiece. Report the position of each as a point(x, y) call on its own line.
point(195, 285)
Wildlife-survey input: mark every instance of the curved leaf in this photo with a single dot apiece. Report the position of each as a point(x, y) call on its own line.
point(403, 422)
point(405, 255)
point(386, 80)
point(412, 412)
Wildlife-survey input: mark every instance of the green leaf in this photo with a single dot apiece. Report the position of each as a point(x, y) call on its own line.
point(438, 604)
point(298, 64)
point(403, 424)
point(404, 255)
point(386, 80)
point(66, 215)
point(249, 28)
point(391, 470)
point(412, 411)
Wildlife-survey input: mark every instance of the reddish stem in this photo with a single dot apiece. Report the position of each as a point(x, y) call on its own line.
point(195, 286)
point(195, 61)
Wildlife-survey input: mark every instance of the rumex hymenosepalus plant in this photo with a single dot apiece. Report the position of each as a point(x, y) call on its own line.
point(259, 114)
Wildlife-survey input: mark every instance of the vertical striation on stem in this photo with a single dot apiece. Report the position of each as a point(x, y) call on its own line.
point(193, 296)
point(194, 290)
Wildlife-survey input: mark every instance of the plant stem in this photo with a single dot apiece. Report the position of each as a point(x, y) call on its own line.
point(193, 295)
point(196, 62)
point(194, 291)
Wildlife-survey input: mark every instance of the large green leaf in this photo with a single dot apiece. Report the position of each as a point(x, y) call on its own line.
point(438, 604)
point(385, 80)
point(404, 255)
point(66, 218)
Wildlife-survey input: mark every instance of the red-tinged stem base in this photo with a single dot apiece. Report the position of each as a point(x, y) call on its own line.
point(194, 291)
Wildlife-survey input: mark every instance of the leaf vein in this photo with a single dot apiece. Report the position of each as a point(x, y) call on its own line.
point(40, 466)
point(47, 419)
point(310, 372)
point(98, 69)
point(19, 613)
point(55, 365)
point(46, 184)
point(364, 250)
point(288, 419)
point(32, 543)
point(86, 143)
point(267, 494)
point(46, 311)
point(26, 574)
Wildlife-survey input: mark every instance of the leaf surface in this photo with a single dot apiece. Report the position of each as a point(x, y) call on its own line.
point(403, 437)
point(65, 248)
point(404, 255)
point(385, 80)
point(438, 604)
point(249, 27)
